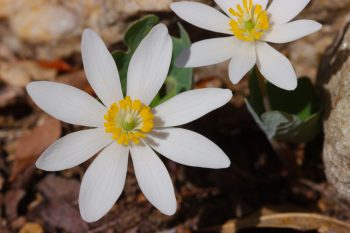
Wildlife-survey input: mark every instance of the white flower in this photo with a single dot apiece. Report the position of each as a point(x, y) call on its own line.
point(127, 124)
point(252, 25)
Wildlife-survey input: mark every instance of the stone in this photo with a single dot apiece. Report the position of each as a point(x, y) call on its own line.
point(334, 81)
point(51, 29)
point(43, 24)
point(19, 74)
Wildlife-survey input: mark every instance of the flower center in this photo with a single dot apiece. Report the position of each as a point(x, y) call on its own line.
point(128, 121)
point(250, 21)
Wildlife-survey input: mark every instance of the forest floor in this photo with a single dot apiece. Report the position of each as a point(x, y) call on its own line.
point(257, 183)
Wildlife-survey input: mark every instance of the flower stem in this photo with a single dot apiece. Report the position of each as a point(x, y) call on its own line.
point(263, 92)
point(282, 149)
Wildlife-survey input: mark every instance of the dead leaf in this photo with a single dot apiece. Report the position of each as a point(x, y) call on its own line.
point(58, 65)
point(76, 79)
point(296, 221)
point(30, 145)
point(19, 74)
point(18, 223)
point(31, 228)
point(209, 82)
point(57, 187)
point(36, 202)
point(14, 75)
point(8, 95)
point(61, 194)
point(12, 199)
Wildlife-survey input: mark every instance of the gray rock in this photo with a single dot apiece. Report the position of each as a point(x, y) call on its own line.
point(334, 78)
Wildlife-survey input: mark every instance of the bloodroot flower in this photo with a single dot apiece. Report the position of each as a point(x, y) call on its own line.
point(252, 25)
point(122, 124)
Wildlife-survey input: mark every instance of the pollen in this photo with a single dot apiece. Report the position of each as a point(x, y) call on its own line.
point(249, 22)
point(128, 121)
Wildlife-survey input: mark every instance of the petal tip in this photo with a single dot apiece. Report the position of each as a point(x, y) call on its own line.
point(222, 163)
point(182, 60)
point(29, 87)
point(290, 87)
point(38, 164)
point(86, 213)
point(89, 37)
point(161, 27)
point(32, 87)
point(228, 93)
point(88, 32)
point(174, 6)
point(170, 211)
point(234, 81)
point(319, 26)
point(226, 163)
point(87, 218)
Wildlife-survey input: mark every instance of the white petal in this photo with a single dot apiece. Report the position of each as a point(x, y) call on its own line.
point(188, 148)
point(263, 3)
point(202, 16)
point(103, 182)
point(67, 103)
point(208, 52)
point(73, 149)
point(243, 60)
point(275, 67)
point(283, 11)
point(100, 68)
point(189, 106)
point(153, 178)
point(288, 32)
point(149, 65)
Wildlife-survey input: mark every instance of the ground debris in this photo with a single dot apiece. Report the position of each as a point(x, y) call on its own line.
point(31, 144)
point(59, 210)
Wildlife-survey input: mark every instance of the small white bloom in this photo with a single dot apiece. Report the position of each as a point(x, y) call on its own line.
point(127, 124)
point(252, 25)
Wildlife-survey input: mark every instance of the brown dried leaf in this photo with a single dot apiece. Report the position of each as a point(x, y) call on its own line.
point(61, 195)
point(18, 223)
point(19, 74)
point(12, 199)
point(8, 95)
point(57, 187)
point(30, 145)
point(76, 79)
point(209, 82)
point(31, 228)
point(296, 221)
point(58, 65)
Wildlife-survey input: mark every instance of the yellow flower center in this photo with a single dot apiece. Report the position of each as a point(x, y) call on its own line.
point(250, 22)
point(128, 121)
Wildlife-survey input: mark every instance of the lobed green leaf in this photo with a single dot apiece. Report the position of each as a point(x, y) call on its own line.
point(178, 79)
point(294, 116)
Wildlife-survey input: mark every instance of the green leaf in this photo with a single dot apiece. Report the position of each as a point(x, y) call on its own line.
point(178, 79)
point(133, 37)
point(295, 115)
point(302, 102)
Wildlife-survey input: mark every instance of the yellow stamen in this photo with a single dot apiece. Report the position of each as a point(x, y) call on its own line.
point(249, 22)
point(128, 121)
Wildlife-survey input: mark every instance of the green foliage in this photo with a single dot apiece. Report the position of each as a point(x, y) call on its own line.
point(178, 79)
point(294, 115)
